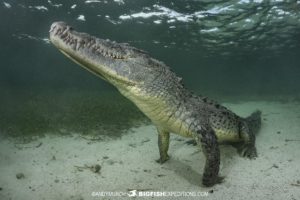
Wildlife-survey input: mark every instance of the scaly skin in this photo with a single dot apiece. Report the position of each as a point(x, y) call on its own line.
point(161, 96)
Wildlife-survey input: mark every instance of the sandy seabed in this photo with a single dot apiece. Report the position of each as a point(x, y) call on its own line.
point(61, 167)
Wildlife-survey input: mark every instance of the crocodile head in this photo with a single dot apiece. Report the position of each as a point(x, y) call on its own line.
point(118, 63)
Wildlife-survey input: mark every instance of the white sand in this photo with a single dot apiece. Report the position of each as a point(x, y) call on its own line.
point(131, 163)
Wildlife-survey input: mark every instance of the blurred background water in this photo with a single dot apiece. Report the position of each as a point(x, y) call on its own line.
point(228, 50)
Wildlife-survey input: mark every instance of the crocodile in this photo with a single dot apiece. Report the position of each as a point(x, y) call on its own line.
point(161, 95)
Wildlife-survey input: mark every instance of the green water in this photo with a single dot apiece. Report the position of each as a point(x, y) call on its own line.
point(233, 51)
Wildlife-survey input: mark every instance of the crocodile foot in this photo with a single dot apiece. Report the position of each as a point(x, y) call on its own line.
point(162, 160)
point(211, 182)
point(248, 151)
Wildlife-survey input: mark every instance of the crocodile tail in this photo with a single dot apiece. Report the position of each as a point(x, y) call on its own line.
point(254, 121)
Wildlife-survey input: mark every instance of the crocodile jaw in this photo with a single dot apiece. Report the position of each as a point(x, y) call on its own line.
point(101, 57)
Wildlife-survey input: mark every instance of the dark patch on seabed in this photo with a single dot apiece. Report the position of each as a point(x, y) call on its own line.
point(232, 51)
point(64, 112)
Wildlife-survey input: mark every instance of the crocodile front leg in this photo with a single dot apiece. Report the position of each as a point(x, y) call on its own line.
point(211, 150)
point(163, 145)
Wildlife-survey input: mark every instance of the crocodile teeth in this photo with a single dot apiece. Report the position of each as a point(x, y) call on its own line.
point(57, 31)
point(78, 45)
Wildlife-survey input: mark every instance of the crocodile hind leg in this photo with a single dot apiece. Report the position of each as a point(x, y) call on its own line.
point(211, 150)
point(247, 149)
point(163, 145)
